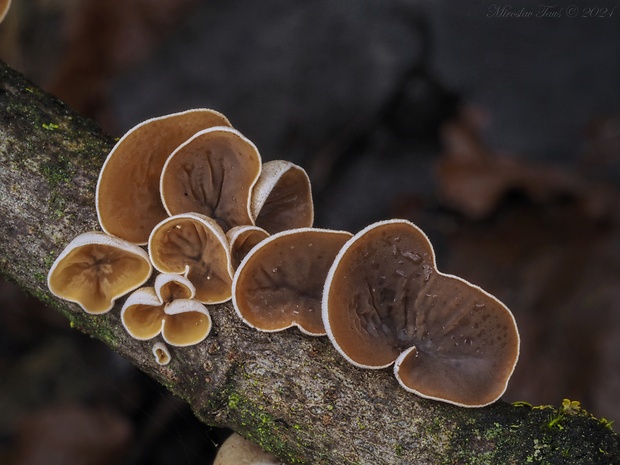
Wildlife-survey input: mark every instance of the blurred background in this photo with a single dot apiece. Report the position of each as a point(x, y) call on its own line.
point(494, 127)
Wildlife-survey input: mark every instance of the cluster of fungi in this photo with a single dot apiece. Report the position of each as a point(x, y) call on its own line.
point(219, 225)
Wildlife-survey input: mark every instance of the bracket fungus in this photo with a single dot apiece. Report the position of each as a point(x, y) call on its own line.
point(385, 302)
point(279, 284)
point(128, 200)
point(282, 197)
point(194, 246)
point(237, 450)
point(212, 173)
point(4, 8)
point(242, 239)
point(167, 308)
point(95, 269)
point(161, 353)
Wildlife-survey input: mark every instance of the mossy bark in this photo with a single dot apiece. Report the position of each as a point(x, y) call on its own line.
point(292, 394)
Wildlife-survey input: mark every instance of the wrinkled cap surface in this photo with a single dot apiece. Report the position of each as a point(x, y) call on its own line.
point(282, 198)
point(280, 282)
point(128, 199)
point(95, 269)
point(181, 320)
point(194, 246)
point(242, 239)
point(385, 302)
point(212, 174)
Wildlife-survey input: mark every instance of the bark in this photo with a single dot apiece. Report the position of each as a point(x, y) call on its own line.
point(292, 394)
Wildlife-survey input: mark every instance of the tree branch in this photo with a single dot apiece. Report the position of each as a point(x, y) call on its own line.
point(292, 394)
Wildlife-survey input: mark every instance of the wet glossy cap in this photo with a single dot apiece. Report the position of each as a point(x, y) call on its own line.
point(385, 302)
point(95, 269)
point(282, 198)
point(212, 173)
point(128, 200)
point(280, 282)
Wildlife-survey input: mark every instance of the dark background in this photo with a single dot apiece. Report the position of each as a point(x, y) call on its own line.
point(499, 136)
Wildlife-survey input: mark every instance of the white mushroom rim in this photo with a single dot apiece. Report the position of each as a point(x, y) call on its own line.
point(145, 186)
point(194, 245)
point(273, 303)
point(225, 177)
point(161, 353)
point(95, 269)
point(407, 313)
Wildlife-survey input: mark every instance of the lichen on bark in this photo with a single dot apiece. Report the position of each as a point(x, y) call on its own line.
point(292, 394)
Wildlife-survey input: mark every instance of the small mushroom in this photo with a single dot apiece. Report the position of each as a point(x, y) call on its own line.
point(194, 246)
point(282, 198)
point(4, 8)
point(95, 269)
point(161, 353)
point(167, 308)
point(279, 284)
point(242, 239)
point(128, 200)
point(237, 450)
point(385, 302)
point(212, 173)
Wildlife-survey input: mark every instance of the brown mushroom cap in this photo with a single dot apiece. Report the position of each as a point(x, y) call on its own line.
point(212, 173)
point(282, 197)
point(161, 353)
point(151, 311)
point(128, 200)
point(280, 282)
point(242, 239)
point(4, 8)
point(194, 246)
point(385, 302)
point(95, 269)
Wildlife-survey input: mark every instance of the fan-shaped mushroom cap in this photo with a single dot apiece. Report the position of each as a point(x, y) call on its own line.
point(212, 173)
point(280, 282)
point(282, 198)
point(385, 302)
point(161, 353)
point(181, 321)
point(95, 269)
point(194, 246)
point(128, 200)
point(4, 8)
point(242, 239)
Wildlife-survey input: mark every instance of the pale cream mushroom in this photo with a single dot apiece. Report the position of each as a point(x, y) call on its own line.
point(279, 284)
point(161, 353)
point(194, 246)
point(385, 302)
point(167, 308)
point(242, 239)
point(95, 269)
point(237, 450)
point(128, 200)
point(282, 197)
point(212, 173)
point(4, 8)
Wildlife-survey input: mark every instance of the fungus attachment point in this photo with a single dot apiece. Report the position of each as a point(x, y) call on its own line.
point(385, 302)
point(212, 173)
point(95, 269)
point(168, 309)
point(128, 200)
point(194, 246)
point(280, 282)
point(282, 198)
point(161, 353)
point(4, 8)
point(242, 239)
